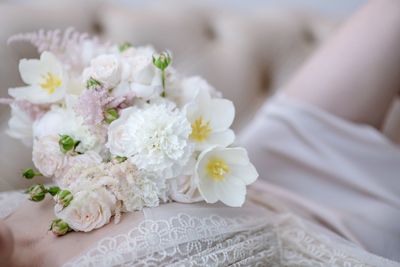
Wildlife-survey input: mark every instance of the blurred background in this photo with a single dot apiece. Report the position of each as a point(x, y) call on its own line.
point(246, 49)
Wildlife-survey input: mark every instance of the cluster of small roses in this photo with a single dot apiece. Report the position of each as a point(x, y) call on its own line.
point(124, 133)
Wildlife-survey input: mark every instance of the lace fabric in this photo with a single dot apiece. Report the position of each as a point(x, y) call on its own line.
point(216, 236)
point(186, 240)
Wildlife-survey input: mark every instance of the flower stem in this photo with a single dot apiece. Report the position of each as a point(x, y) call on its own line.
point(163, 94)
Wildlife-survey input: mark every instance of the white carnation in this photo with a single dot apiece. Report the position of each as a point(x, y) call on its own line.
point(155, 139)
point(90, 209)
point(137, 189)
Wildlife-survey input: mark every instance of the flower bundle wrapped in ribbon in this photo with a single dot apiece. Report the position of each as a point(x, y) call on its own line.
point(118, 129)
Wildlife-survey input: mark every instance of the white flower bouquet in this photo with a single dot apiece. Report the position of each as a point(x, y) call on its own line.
point(118, 129)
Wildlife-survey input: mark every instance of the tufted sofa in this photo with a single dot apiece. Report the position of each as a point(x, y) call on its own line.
point(246, 55)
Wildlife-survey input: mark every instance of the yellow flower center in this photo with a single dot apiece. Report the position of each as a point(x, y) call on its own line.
point(216, 169)
point(200, 130)
point(51, 83)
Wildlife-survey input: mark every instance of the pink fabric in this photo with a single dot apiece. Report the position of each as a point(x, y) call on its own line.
point(345, 175)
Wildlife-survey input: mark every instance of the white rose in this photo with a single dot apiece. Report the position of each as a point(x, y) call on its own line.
point(190, 88)
point(60, 121)
point(90, 209)
point(106, 69)
point(141, 77)
point(47, 155)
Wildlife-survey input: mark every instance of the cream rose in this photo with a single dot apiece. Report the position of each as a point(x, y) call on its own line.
point(47, 155)
point(74, 165)
point(106, 69)
point(90, 209)
point(141, 78)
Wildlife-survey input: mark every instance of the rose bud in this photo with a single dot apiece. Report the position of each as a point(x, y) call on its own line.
point(36, 192)
point(64, 197)
point(162, 61)
point(30, 173)
point(67, 143)
point(59, 227)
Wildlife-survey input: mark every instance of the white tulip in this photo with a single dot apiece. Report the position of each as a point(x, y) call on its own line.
point(46, 80)
point(210, 119)
point(223, 173)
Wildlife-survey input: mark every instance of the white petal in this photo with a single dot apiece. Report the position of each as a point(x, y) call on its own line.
point(207, 189)
point(50, 63)
point(31, 71)
point(231, 192)
point(224, 138)
point(144, 91)
point(234, 155)
point(36, 95)
point(222, 114)
point(247, 173)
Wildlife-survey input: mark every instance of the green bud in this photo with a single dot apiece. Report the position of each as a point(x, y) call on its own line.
point(64, 197)
point(162, 61)
point(120, 159)
point(124, 46)
point(59, 227)
point(30, 173)
point(36, 192)
point(67, 143)
point(53, 190)
point(92, 83)
point(111, 115)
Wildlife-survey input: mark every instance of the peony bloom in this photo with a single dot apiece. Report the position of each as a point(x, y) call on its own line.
point(155, 138)
point(47, 156)
point(223, 173)
point(90, 209)
point(210, 119)
point(46, 80)
point(106, 69)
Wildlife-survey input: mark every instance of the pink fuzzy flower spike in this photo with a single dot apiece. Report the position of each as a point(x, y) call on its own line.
point(92, 104)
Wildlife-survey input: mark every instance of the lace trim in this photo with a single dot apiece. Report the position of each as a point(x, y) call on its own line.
point(157, 241)
point(184, 240)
